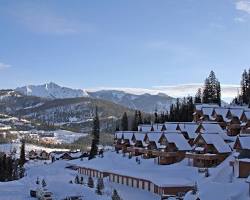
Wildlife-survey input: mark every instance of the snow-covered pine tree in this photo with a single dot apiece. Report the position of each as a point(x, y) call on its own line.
point(44, 184)
point(22, 153)
point(115, 195)
point(99, 186)
point(91, 182)
point(95, 135)
point(77, 181)
point(124, 122)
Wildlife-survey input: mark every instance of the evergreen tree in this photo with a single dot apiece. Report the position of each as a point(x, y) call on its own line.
point(156, 121)
point(124, 122)
point(99, 186)
point(140, 118)
point(115, 195)
point(44, 184)
point(22, 159)
point(244, 87)
point(90, 182)
point(135, 122)
point(211, 90)
point(198, 96)
point(95, 135)
point(37, 181)
point(77, 181)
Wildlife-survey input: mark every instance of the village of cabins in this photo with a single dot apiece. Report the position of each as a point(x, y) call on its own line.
point(215, 133)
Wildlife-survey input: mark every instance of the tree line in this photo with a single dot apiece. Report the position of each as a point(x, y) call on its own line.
point(10, 167)
point(243, 97)
point(180, 111)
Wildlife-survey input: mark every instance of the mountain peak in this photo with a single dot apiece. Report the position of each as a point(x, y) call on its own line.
point(51, 90)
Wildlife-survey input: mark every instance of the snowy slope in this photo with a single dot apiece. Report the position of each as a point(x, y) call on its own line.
point(51, 90)
point(144, 102)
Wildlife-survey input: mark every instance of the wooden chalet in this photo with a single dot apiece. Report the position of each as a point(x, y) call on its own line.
point(173, 148)
point(245, 125)
point(209, 150)
point(220, 116)
point(241, 164)
point(234, 124)
point(203, 112)
point(139, 145)
point(124, 139)
point(188, 130)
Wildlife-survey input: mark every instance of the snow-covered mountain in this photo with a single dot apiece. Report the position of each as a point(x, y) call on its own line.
point(51, 91)
point(144, 102)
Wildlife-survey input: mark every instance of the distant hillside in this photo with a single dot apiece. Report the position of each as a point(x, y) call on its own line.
point(77, 111)
point(51, 90)
point(145, 102)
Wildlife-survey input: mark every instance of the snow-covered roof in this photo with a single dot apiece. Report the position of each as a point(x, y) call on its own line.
point(244, 142)
point(148, 127)
point(179, 140)
point(247, 114)
point(190, 128)
point(118, 135)
point(139, 136)
point(217, 142)
point(154, 136)
point(170, 126)
point(127, 135)
point(222, 112)
point(212, 127)
point(207, 111)
point(145, 127)
point(200, 106)
point(237, 112)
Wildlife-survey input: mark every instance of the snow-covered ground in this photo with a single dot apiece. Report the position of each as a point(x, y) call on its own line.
point(65, 136)
point(219, 185)
point(7, 148)
point(57, 179)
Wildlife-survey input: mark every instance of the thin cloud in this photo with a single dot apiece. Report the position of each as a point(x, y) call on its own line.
point(243, 5)
point(4, 65)
point(239, 19)
point(228, 91)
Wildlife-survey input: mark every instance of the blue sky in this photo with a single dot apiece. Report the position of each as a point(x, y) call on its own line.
point(111, 43)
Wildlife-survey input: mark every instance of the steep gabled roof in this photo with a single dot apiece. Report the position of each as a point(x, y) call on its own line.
point(179, 141)
point(217, 142)
point(212, 127)
point(237, 112)
point(190, 128)
point(154, 136)
point(118, 135)
point(222, 112)
point(244, 142)
point(139, 136)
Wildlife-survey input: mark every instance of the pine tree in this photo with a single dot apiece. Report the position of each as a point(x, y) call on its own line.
point(115, 195)
point(81, 180)
point(99, 186)
point(90, 182)
point(77, 181)
point(140, 118)
point(198, 96)
point(44, 184)
point(96, 136)
point(124, 122)
point(156, 117)
point(22, 159)
point(37, 181)
point(135, 122)
point(211, 90)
